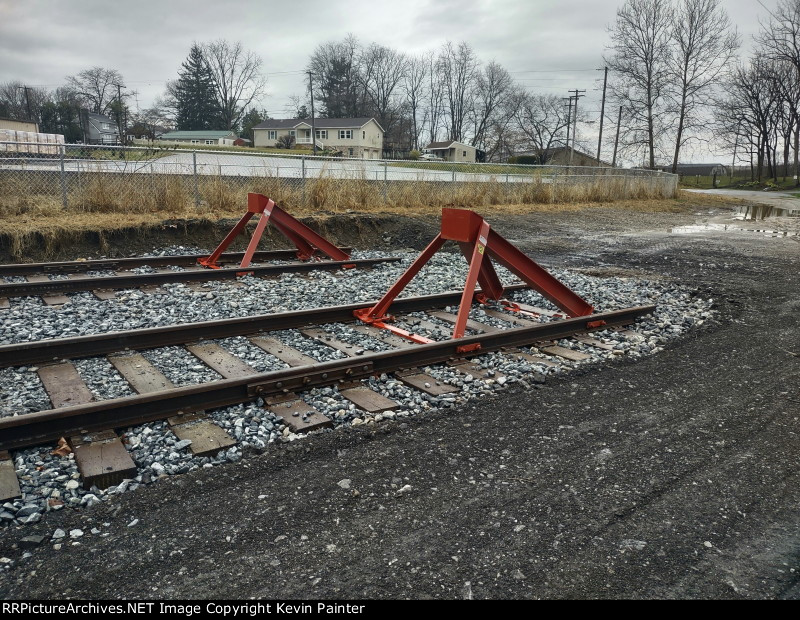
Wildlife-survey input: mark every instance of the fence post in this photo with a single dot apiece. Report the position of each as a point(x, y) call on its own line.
point(63, 179)
point(385, 179)
point(194, 176)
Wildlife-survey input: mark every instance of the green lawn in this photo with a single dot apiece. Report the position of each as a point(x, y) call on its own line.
point(498, 169)
point(704, 182)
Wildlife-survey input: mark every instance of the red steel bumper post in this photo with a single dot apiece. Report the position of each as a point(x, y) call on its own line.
point(305, 240)
point(480, 245)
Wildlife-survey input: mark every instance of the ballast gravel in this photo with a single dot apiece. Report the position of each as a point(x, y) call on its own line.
point(51, 482)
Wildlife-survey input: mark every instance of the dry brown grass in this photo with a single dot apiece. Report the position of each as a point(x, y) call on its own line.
point(32, 211)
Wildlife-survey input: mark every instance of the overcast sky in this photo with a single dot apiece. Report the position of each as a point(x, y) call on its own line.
point(547, 45)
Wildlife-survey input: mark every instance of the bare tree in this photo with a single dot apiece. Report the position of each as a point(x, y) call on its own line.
point(334, 66)
point(22, 102)
point(704, 43)
point(639, 58)
point(493, 86)
point(751, 106)
point(457, 67)
point(435, 99)
point(96, 88)
point(237, 78)
point(381, 72)
point(414, 87)
point(541, 122)
point(780, 39)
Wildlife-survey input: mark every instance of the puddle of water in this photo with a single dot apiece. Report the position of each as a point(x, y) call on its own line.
point(762, 212)
point(699, 228)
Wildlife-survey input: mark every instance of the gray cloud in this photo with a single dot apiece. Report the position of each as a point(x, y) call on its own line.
point(43, 41)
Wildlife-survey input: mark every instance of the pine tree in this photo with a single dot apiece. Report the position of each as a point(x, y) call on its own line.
point(196, 103)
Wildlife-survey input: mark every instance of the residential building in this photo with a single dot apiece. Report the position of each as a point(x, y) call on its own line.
point(98, 128)
point(452, 150)
point(223, 137)
point(560, 156)
point(353, 137)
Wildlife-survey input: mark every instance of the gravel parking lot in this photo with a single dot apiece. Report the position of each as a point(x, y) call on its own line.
point(669, 473)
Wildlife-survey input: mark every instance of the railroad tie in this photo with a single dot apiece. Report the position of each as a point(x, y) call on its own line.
point(593, 342)
point(50, 300)
point(283, 352)
point(299, 416)
point(362, 397)
point(4, 304)
point(101, 457)
point(384, 336)
point(533, 359)
point(471, 324)
point(296, 413)
point(515, 319)
point(468, 367)
point(207, 438)
point(425, 383)
point(320, 335)
point(559, 351)
point(9, 484)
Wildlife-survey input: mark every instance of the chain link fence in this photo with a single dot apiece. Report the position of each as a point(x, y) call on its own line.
point(82, 178)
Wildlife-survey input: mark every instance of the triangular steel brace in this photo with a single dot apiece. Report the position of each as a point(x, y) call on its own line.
point(305, 240)
point(480, 245)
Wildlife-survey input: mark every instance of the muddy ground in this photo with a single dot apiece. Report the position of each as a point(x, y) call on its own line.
point(673, 477)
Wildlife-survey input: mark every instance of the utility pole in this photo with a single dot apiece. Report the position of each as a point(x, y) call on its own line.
point(569, 117)
point(313, 120)
point(735, 147)
point(576, 96)
point(119, 112)
point(616, 140)
point(602, 114)
point(27, 100)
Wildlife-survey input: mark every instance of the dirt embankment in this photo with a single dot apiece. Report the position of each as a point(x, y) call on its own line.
point(34, 238)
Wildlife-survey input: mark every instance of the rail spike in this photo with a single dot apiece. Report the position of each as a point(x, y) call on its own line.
point(305, 240)
point(480, 245)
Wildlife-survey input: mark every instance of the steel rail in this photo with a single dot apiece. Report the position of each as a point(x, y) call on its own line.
point(47, 426)
point(22, 289)
point(181, 260)
point(25, 353)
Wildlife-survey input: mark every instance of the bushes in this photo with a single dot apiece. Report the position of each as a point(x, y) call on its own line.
point(525, 160)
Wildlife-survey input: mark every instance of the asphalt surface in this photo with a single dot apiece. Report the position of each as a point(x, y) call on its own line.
point(677, 476)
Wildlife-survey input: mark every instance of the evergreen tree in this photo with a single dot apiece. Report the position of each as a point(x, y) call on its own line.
point(195, 100)
point(252, 118)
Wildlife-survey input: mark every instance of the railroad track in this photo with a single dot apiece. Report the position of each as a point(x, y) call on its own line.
point(74, 276)
point(90, 426)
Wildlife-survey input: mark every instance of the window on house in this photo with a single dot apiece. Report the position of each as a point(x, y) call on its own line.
point(273, 135)
point(464, 153)
point(363, 135)
point(345, 134)
point(322, 134)
point(350, 151)
point(195, 141)
point(210, 142)
point(292, 133)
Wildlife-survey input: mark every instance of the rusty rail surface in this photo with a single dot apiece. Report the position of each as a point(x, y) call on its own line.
point(47, 426)
point(22, 289)
point(98, 264)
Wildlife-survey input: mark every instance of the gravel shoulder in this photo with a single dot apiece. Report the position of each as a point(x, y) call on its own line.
point(672, 476)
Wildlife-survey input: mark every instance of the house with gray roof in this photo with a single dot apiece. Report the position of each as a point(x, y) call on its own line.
point(99, 128)
point(223, 137)
point(452, 150)
point(354, 137)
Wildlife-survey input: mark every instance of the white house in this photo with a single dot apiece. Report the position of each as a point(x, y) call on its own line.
point(354, 137)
